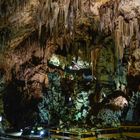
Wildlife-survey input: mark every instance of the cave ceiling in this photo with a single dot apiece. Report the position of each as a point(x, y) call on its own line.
point(78, 27)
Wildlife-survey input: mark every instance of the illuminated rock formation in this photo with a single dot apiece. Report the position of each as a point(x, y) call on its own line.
point(103, 33)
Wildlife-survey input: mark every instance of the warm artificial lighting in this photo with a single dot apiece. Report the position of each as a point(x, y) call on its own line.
point(119, 101)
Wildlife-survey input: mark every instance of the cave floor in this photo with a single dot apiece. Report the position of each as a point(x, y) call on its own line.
point(120, 133)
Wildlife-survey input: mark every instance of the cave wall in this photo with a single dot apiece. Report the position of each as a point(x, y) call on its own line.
point(121, 19)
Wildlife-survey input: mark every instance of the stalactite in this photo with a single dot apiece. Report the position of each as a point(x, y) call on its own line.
point(59, 17)
point(66, 9)
point(118, 38)
point(94, 59)
point(122, 21)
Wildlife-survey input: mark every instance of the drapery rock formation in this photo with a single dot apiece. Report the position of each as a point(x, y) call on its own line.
point(121, 19)
point(105, 34)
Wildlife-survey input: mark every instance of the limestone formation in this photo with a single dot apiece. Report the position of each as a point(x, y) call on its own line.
point(53, 51)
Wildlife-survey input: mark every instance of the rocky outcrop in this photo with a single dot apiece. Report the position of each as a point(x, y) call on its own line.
point(134, 71)
point(121, 18)
point(18, 21)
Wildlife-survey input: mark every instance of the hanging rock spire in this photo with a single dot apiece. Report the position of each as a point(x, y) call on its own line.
point(121, 17)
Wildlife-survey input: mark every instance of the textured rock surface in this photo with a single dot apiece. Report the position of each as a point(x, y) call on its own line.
point(121, 20)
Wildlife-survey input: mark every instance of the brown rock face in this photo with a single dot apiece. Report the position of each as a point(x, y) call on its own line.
point(122, 19)
point(26, 77)
point(134, 64)
point(134, 71)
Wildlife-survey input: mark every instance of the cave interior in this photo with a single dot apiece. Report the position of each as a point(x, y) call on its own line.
point(69, 64)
